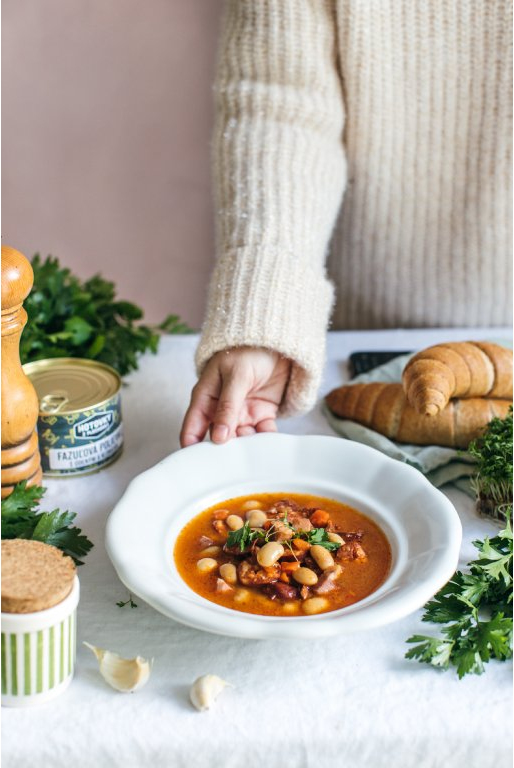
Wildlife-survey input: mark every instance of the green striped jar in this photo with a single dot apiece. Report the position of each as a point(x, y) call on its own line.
point(38, 652)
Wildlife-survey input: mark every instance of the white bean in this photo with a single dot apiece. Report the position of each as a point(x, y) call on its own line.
point(336, 538)
point(251, 504)
point(206, 564)
point(314, 605)
point(322, 556)
point(234, 522)
point(257, 518)
point(241, 596)
point(305, 576)
point(228, 572)
point(269, 553)
point(211, 551)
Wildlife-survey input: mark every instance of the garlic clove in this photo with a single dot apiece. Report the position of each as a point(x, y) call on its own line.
point(205, 690)
point(125, 675)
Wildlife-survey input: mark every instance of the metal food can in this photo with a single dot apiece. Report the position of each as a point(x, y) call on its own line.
point(79, 426)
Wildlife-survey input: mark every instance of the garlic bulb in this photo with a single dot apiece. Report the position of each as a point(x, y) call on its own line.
point(205, 690)
point(125, 675)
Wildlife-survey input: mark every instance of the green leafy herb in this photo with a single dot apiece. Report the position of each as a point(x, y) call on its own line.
point(320, 536)
point(492, 482)
point(243, 537)
point(130, 602)
point(71, 318)
point(22, 520)
point(476, 609)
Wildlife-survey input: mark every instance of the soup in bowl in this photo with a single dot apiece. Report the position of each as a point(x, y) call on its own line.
point(278, 554)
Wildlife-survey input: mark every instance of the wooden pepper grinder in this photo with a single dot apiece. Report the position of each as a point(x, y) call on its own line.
point(20, 406)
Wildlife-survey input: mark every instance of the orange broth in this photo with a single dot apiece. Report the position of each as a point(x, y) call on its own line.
point(358, 578)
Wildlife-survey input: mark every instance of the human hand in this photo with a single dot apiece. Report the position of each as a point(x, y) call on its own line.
point(238, 393)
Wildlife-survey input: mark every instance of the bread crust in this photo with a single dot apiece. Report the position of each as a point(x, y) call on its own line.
point(384, 408)
point(463, 369)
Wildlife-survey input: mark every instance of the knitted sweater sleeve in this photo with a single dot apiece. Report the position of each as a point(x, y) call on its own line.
point(279, 174)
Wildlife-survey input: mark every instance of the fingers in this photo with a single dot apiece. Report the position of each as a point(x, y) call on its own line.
point(231, 401)
point(266, 425)
point(246, 429)
point(199, 414)
point(195, 425)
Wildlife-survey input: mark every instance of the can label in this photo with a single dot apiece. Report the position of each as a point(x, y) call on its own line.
point(85, 455)
point(81, 442)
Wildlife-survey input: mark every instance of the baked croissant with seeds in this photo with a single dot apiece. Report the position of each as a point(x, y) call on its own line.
point(457, 369)
point(384, 408)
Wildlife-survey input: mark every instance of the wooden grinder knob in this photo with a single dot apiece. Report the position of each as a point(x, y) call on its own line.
point(20, 407)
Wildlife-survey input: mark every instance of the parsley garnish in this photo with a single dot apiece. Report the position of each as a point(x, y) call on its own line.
point(243, 537)
point(21, 520)
point(476, 609)
point(320, 536)
point(71, 318)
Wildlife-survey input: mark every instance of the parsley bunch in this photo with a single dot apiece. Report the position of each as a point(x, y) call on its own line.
point(21, 520)
point(476, 611)
point(492, 481)
point(71, 318)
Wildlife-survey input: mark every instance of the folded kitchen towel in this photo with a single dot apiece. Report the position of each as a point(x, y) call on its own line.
point(440, 465)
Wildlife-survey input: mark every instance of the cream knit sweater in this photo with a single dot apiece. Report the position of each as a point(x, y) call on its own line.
point(403, 107)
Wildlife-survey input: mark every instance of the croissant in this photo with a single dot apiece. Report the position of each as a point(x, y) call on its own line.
point(457, 369)
point(384, 408)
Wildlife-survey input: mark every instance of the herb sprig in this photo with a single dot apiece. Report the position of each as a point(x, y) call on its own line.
point(244, 537)
point(22, 520)
point(122, 604)
point(320, 536)
point(71, 318)
point(476, 611)
point(492, 482)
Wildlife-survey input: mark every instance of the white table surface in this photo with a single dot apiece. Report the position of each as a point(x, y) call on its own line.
point(350, 701)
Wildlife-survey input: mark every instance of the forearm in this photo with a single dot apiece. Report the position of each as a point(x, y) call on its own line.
point(278, 178)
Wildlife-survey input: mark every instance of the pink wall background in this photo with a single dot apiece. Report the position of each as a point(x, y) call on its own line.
point(106, 122)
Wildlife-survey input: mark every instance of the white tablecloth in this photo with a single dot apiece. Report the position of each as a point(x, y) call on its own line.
point(350, 701)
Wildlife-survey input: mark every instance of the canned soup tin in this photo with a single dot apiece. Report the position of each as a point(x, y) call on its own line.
point(79, 426)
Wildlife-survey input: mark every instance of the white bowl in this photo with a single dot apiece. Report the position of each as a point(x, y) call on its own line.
point(421, 524)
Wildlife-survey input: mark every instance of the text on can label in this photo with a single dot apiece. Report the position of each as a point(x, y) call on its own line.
point(86, 455)
point(94, 426)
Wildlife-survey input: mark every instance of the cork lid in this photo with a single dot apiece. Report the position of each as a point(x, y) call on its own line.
point(35, 576)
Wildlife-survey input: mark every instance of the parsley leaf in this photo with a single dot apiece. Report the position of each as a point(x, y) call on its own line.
point(122, 604)
point(243, 537)
point(469, 639)
point(320, 536)
point(21, 520)
point(21, 503)
point(71, 318)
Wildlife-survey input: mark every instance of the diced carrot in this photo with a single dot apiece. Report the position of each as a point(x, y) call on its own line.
point(284, 577)
point(300, 544)
point(288, 566)
point(320, 518)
